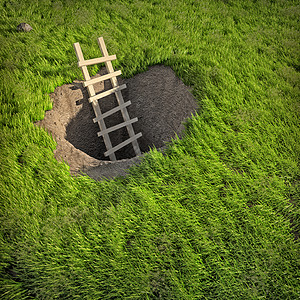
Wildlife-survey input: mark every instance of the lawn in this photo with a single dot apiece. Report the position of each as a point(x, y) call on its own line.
point(214, 217)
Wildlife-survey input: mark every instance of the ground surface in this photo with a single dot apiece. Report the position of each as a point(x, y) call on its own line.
point(158, 98)
point(212, 218)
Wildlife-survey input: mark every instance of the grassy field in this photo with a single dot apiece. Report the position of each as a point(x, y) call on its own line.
point(217, 216)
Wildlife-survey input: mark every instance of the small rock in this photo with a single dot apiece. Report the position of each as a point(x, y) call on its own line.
point(24, 27)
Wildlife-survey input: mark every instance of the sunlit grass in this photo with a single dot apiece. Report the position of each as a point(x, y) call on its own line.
point(214, 217)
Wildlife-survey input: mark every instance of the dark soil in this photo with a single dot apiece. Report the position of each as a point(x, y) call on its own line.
point(158, 98)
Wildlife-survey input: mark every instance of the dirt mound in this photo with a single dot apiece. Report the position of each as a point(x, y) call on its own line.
point(158, 98)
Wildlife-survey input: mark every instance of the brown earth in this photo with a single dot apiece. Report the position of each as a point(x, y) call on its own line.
point(158, 98)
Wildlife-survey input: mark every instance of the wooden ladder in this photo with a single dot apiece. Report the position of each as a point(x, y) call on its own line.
point(93, 98)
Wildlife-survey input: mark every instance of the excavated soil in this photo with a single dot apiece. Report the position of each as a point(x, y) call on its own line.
point(158, 98)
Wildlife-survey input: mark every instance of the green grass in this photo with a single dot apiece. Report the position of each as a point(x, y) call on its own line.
point(216, 216)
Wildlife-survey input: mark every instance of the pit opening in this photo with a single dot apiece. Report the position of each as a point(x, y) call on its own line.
point(159, 99)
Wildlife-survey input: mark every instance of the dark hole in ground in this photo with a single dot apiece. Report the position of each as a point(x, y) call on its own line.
point(81, 131)
point(159, 100)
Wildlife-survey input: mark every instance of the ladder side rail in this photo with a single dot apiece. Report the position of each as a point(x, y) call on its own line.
point(95, 105)
point(129, 127)
point(119, 96)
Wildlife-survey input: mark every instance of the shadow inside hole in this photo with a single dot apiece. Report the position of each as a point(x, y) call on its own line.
point(159, 100)
point(81, 131)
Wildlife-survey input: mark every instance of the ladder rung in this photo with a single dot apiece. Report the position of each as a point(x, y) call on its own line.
point(101, 78)
point(116, 148)
point(109, 92)
point(112, 111)
point(113, 128)
point(94, 61)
